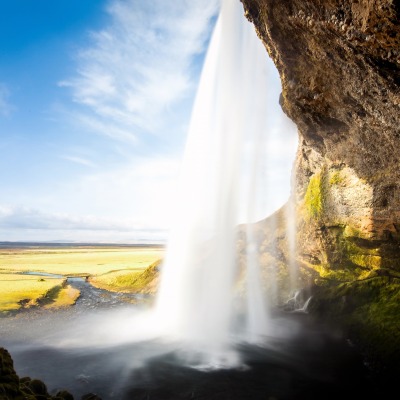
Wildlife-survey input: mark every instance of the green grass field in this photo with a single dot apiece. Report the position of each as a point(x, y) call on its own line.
point(101, 264)
point(78, 261)
point(24, 291)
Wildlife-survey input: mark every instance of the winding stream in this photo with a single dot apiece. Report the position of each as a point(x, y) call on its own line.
point(90, 297)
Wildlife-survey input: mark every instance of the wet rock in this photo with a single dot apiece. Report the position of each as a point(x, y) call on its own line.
point(13, 388)
point(90, 396)
point(64, 395)
point(37, 387)
point(9, 381)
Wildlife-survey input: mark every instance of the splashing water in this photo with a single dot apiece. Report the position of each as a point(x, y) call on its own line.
point(197, 297)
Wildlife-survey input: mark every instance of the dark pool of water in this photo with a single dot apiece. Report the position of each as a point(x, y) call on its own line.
point(301, 360)
point(310, 363)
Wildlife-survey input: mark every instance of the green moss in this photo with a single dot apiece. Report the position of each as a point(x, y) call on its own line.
point(345, 259)
point(366, 260)
point(352, 232)
point(313, 199)
point(327, 275)
point(335, 178)
point(357, 253)
point(349, 258)
point(351, 246)
point(369, 311)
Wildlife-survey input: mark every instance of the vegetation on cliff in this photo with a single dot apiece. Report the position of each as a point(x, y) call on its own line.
point(313, 199)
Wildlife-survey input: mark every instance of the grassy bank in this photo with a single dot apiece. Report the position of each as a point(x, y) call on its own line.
point(24, 291)
point(141, 281)
point(64, 296)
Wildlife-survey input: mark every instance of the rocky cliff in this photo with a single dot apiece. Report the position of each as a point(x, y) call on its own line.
point(339, 63)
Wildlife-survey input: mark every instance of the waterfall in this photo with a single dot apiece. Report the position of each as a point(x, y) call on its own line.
point(212, 290)
point(222, 173)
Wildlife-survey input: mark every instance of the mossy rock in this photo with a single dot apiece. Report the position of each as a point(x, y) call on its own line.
point(38, 388)
point(64, 395)
point(13, 388)
point(9, 381)
point(368, 311)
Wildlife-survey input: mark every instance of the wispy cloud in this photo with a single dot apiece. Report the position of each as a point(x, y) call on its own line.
point(30, 218)
point(141, 65)
point(133, 197)
point(109, 128)
point(79, 160)
point(143, 191)
point(5, 107)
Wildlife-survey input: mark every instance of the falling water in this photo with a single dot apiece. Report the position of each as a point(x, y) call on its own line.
point(211, 295)
point(196, 297)
point(290, 216)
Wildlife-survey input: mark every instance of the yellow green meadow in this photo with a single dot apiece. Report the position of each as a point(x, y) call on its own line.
point(144, 281)
point(64, 297)
point(112, 268)
point(24, 290)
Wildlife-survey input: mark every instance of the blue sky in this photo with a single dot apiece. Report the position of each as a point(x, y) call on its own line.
point(95, 101)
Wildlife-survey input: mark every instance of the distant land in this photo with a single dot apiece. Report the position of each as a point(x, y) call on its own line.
point(64, 244)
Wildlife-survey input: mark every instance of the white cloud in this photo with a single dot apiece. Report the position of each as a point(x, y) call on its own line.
point(79, 160)
point(30, 218)
point(128, 203)
point(140, 65)
point(24, 223)
point(143, 191)
point(5, 211)
point(106, 127)
point(83, 236)
point(5, 107)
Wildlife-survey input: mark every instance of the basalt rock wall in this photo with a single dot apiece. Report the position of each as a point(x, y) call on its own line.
point(339, 63)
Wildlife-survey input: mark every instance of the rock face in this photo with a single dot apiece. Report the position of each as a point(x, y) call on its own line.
point(339, 63)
